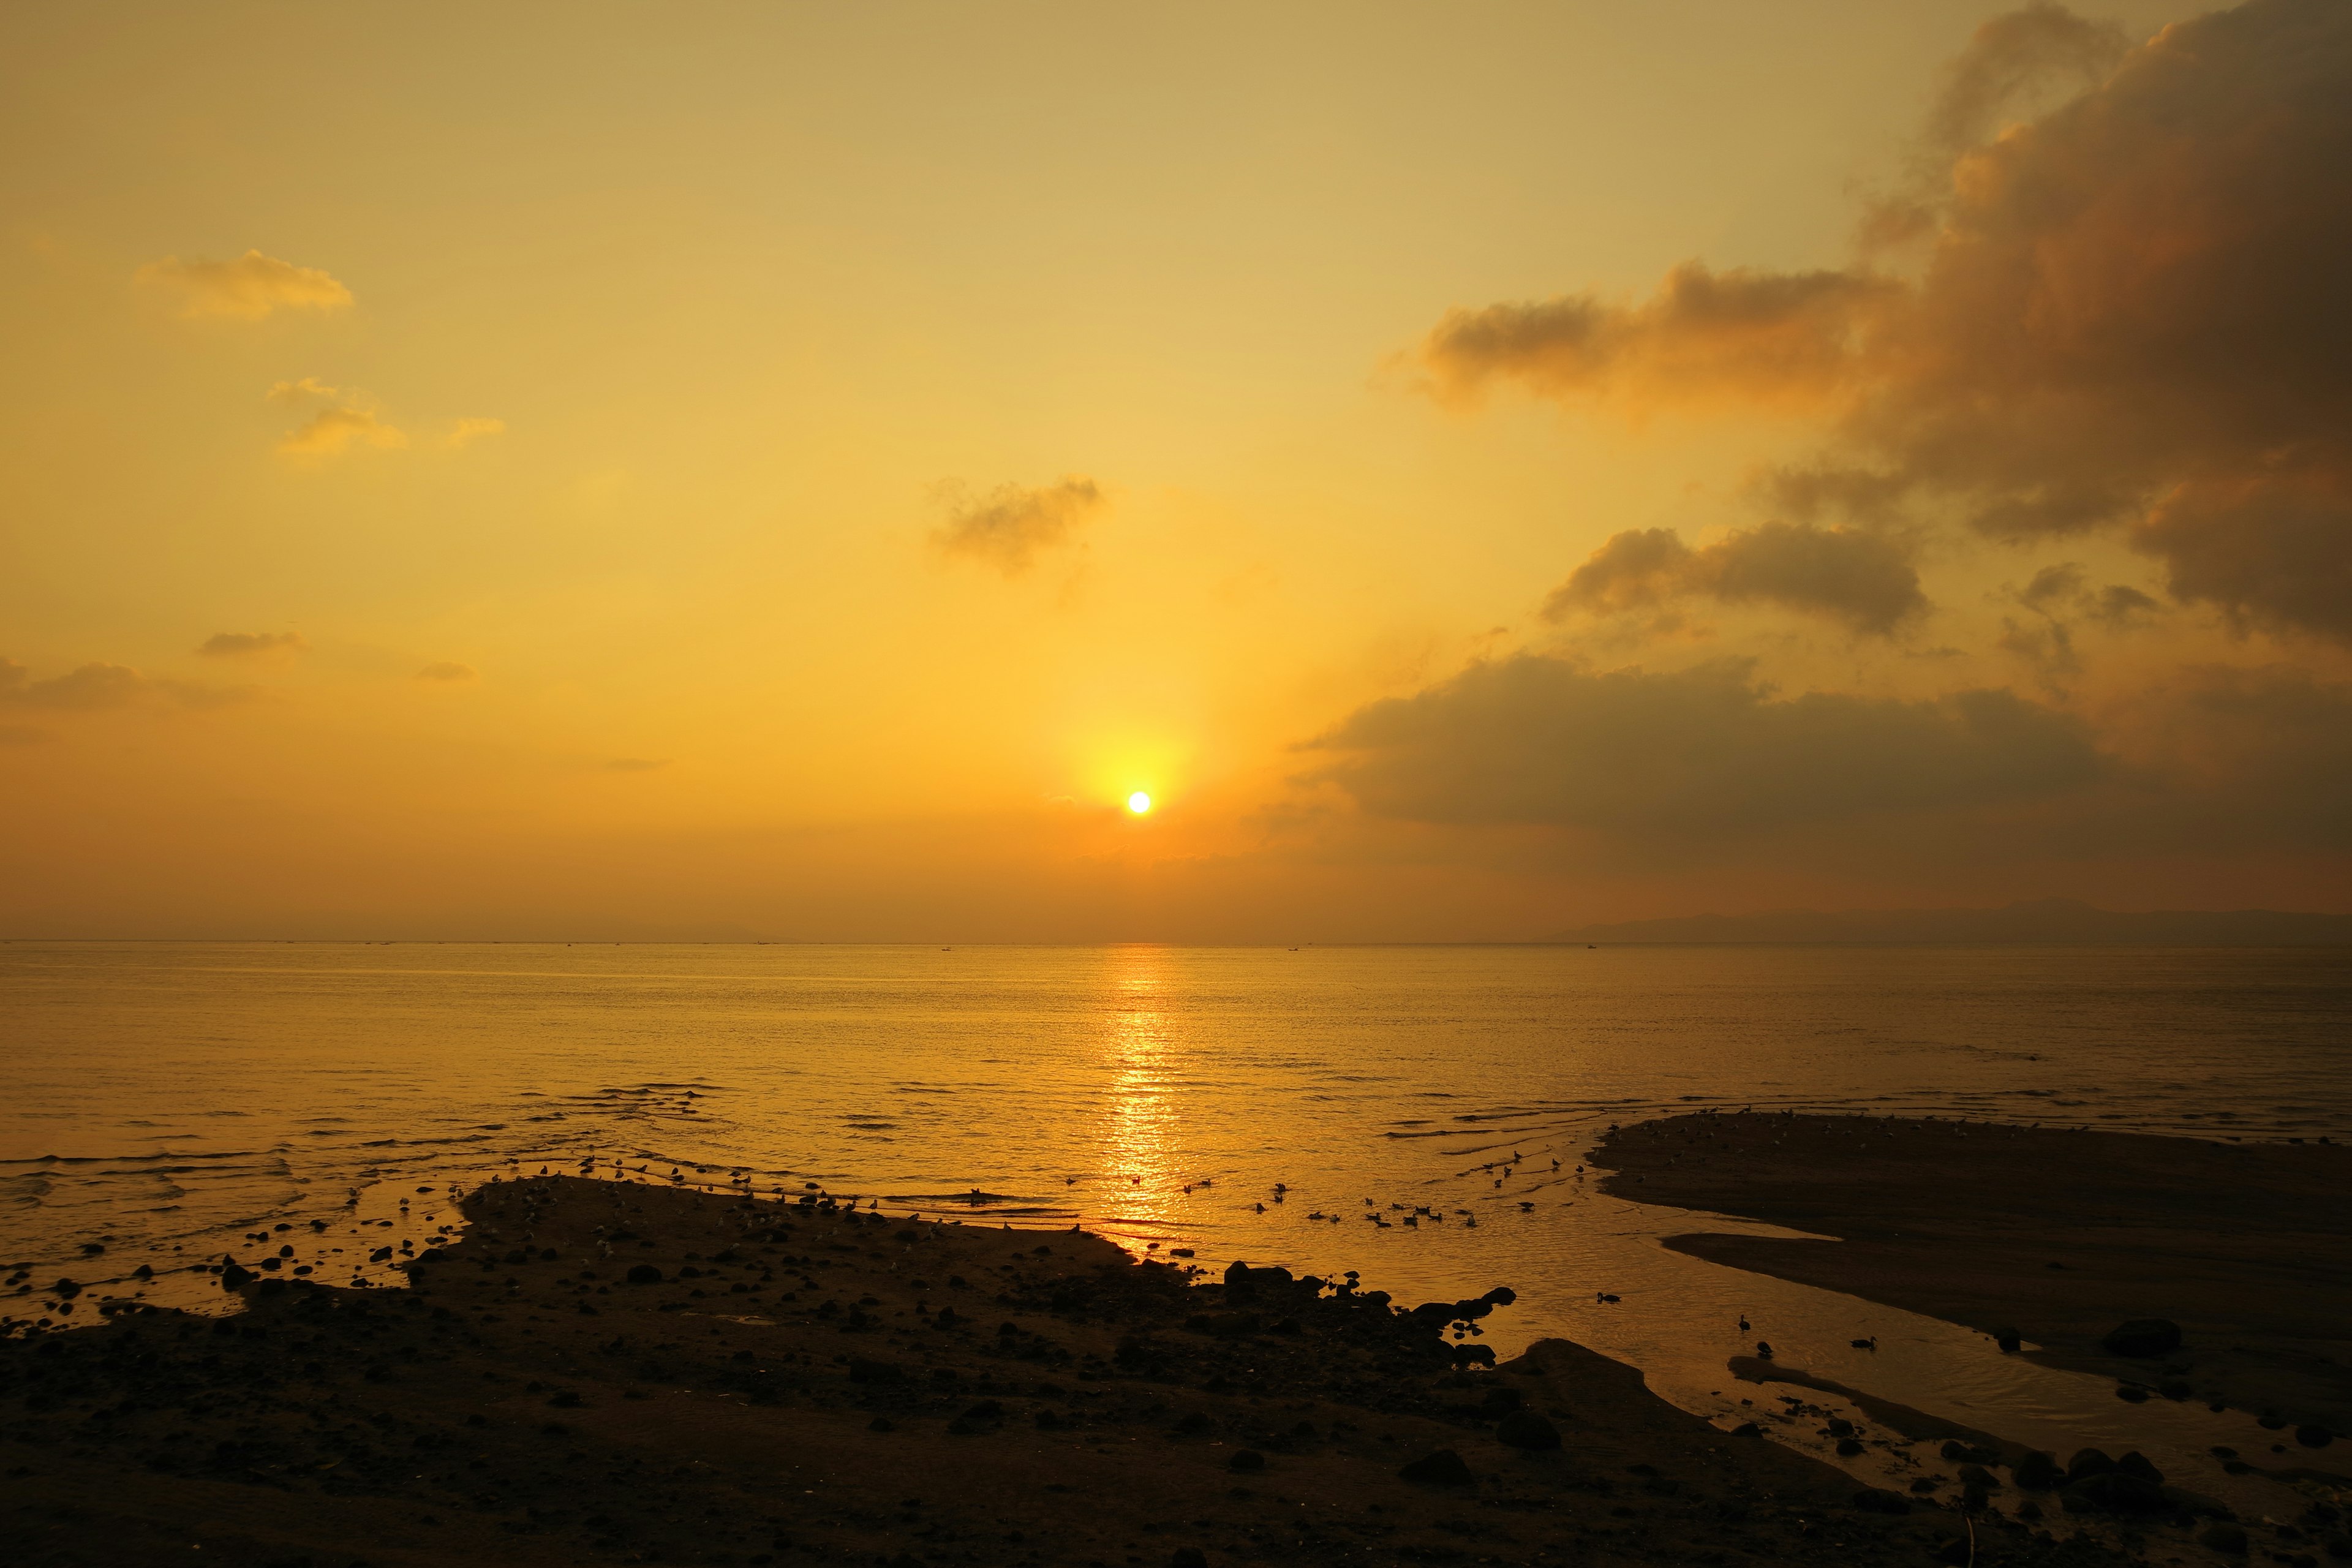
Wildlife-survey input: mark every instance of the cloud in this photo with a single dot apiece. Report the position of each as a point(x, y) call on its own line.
point(446, 671)
point(248, 289)
point(2130, 319)
point(1863, 579)
point(251, 644)
point(1012, 525)
point(1777, 337)
point(470, 430)
point(99, 686)
point(341, 419)
point(2011, 58)
point(1700, 753)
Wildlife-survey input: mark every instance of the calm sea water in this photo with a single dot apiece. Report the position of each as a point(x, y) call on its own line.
point(168, 1100)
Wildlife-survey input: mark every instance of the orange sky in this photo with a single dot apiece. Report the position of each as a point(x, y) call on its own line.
point(740, 471)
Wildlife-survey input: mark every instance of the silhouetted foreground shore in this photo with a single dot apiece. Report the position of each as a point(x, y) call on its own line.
point(799, 1386)
point(2061, 1236)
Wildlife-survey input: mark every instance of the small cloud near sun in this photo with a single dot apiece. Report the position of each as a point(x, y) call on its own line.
point(251, 644)
point(470, 430)
point(447, 672)
point(248, 289)
point(1010, 526)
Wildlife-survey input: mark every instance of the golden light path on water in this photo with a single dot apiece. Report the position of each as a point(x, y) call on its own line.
point(172, 1103)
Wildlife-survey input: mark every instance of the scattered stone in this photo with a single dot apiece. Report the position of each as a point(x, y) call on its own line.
point(643, 1274)
point(2142, 1338)
point(1246, 1462)
point(1871, 1500)
point(2037, 1472)
point(1526, 1430)
point(1442, 1467)
point(2313, 1436)
point(2223, 1537)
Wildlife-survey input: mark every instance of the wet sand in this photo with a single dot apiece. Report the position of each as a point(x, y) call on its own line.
point(803, 1386)
point(2059, 1234)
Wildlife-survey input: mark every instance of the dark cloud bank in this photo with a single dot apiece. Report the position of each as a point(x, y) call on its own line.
point(2129, 318)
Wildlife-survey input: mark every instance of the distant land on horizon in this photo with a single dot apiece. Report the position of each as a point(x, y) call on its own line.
point(2056, 922)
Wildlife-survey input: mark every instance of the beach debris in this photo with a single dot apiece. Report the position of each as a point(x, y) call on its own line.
point(1525, 1429)
point(2142, 1338)
point(1438, 1467)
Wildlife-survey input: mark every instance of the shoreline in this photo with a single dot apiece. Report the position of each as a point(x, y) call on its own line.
point(608, 1372)
point(2060, 1236)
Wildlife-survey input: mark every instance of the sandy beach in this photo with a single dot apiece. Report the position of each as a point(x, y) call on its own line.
point(2061, 1236)
point(604, 1372)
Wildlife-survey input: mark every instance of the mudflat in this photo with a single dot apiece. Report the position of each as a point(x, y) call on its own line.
point(604, 1372)
point(2060, 1235)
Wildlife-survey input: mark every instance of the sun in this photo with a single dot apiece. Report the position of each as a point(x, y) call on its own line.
point(1138, 803)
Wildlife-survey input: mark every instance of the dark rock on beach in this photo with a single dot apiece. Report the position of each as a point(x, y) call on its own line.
point(2228, 1264)
point(478, 1416)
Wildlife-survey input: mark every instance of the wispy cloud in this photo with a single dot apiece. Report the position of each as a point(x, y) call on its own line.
point(340, 418)
point(449, 672)
point(466, 431)
point(246, 289)
point(1010, 526)
point(99, 685)
point(251, 644)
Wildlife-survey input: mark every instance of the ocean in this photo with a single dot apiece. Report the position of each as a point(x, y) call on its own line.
point(167, 1102)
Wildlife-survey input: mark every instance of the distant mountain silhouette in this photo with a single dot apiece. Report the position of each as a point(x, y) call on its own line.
point(2044, 921)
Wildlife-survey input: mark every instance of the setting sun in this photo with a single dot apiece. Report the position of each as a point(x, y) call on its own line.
point(1138, 803)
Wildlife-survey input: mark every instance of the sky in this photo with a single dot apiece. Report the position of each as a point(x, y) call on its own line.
point(794, 472)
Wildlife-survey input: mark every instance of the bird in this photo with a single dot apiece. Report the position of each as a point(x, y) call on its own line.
point(1743, 1323)
point(1603, 1296)
point(1869, 1344)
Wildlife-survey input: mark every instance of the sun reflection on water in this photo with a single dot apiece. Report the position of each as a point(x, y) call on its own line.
point(1137, 1140)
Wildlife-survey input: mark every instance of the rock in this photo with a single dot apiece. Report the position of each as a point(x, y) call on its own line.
point(2313, 1436)
point(1977, 1479)
point(2088, 1462)
point(862, 1370)
point(881, 1424)
point(643, 1274)
point(2136, 1463)
point(2009, 1340)
point(1188, 1557)
point(234, 1274)
point(1525, 1429)
point(1848, 1447)
point(2131, 1394)
point(1501, 1295)
point(2142, 1338)
point(1870, 1500)
point(2113, 1491)
point(1246, 1462)
point(2223, 1537)
point(2037, 1472)
point(1748, 1429)
point(1442, 1467)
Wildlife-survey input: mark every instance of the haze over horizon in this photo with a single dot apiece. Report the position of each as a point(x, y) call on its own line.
point(805, 473)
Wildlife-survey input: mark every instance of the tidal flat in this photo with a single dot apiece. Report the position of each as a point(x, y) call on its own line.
point(601, 1372)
